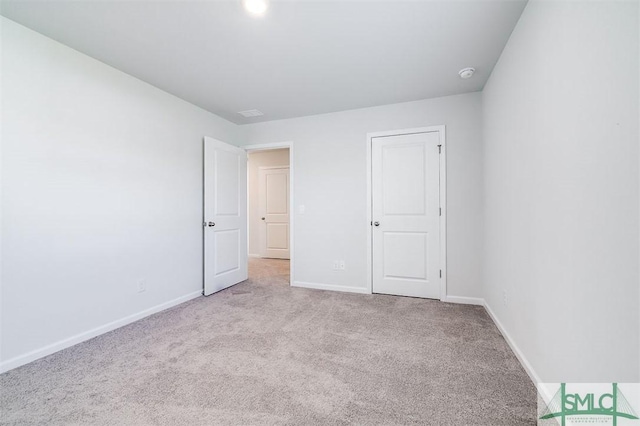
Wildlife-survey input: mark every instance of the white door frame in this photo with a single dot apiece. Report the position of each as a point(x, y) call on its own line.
point(443, 201)
point(267, 147)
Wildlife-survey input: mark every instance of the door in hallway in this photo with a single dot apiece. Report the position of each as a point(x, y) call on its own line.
point(225, 215)
point(405, 211)
point(273, 200)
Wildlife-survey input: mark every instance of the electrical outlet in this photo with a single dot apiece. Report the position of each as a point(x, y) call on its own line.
point(342, 266)
point(336, 265)
point(142, 286)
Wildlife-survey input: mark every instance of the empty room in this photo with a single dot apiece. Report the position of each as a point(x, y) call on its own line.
point(304, 212)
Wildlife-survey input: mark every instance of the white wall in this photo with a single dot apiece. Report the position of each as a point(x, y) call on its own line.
point(257, 159)
point(330, 181)
point(561, 186)
point(101, 188)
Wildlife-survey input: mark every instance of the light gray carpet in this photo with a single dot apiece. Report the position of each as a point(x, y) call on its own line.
point(263, 353)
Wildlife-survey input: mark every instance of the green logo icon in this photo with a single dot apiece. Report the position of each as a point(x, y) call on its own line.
point(613, 405)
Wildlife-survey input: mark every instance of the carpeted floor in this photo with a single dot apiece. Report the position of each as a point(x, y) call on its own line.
point(263, 353)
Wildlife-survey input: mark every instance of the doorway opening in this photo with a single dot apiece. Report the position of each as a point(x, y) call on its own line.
point(269, 202)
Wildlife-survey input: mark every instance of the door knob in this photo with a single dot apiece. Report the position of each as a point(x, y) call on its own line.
point(376, 223)
point(211, 224)
point(262, 218)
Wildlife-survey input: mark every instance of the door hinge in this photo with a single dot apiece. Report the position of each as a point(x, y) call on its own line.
point(371, 223)
point(440, 211)
point(440, 273)
point(439, 149)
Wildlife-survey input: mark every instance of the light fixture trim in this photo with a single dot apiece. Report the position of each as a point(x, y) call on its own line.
point(251, 113)
point(255, 7)
point(466, 72)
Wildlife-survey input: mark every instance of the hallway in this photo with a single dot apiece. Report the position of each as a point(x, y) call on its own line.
point(269, 271)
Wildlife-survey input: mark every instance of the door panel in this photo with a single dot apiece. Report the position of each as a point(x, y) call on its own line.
point(277, 236)
point(276, 193)
point(225, 215)
point(405, 189)
point(405, 255)
point(227, 194)
point(227, 246)
point(273, 199)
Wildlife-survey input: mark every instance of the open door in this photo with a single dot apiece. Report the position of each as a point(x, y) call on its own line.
point(225, 215)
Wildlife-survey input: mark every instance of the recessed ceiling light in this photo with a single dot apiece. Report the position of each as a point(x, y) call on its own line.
point(466, 72)
point(251, 113)
point(255, 7)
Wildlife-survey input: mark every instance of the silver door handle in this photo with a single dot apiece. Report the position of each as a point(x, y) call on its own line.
point(376, 223)
point(211, 224)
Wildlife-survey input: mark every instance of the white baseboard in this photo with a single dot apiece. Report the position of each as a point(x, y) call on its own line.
point(464, 300)
point(79, 338)
point(516, 350)
point(331, 287)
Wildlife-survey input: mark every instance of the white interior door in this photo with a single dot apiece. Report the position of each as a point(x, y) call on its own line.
point(406, 211)
point(225, 215)
point(273, 201)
